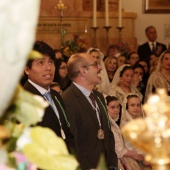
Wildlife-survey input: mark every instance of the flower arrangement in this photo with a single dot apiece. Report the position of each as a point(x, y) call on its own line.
point(74, 45)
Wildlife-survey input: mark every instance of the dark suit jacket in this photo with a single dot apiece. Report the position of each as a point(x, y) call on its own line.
point(84, 127)
point(50, 119)
point(144, 50)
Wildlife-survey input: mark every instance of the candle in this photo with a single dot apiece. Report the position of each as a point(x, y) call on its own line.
point(94, 13)
point(85, 29)
point(120, 13)
point(107, 12)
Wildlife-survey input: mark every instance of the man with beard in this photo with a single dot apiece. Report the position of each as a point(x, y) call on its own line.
point(86, 111)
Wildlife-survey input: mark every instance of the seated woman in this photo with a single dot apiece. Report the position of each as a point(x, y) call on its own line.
point(58, 54)
point(127, 159)
point(146, 68)
point(112, 50)
point(132, 109)
point(145, 65)
point(151, 58)
point(55, 86)
point(122, 83)
point(61, 76)
point(161, 77)
point(121, 60)
point(103, 87)
point(138, 78)
point(111, 67)
point(153, 65)
point(133, 58)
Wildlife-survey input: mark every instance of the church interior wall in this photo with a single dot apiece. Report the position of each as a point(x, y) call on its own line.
point(159, 20)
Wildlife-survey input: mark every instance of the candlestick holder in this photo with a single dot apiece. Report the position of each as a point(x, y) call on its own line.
point(60, 6)
point(107, 28)
point(94, 34)
point(120, 33)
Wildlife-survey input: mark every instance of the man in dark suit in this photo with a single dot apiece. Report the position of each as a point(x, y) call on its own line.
point(87, 113)
point(40, 74)
point(151, 46)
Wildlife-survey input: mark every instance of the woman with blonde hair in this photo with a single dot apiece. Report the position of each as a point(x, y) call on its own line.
point(111, 67)
point(160, 78)
point(153, 65)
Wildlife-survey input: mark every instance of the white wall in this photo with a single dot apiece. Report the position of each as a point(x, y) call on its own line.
point(143, 20)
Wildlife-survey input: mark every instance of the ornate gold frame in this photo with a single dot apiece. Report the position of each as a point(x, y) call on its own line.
point(156, 6)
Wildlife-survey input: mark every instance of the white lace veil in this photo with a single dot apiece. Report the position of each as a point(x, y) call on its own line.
point(154, 76)
point(105, 84)
point(159, 65)
point(116, 77)
point(125, 99)
point(125, 114)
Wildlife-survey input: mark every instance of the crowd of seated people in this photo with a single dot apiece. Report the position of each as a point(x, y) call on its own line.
point(125, 80)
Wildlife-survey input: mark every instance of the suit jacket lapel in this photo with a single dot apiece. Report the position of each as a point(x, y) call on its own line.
point(60, 111)
point(88, 109)
point(28, 86)
point(157, 44)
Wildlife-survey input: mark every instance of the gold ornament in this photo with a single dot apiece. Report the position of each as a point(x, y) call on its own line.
point(152, 134)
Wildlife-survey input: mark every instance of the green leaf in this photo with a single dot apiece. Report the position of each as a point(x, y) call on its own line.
point(102, 164)
point(49, 154)
point(27, 114)
point(47, 133)
point(29, 108)
point(34, 55)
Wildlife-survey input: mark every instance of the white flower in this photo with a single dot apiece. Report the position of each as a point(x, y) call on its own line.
point(40, 99)
point(3, 157)
point(24, 139)
point(44, 104)
point(30, 108)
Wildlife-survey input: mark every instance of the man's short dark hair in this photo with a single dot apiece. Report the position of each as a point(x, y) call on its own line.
point(147, 28)
point(137, 65)
point(44, 49)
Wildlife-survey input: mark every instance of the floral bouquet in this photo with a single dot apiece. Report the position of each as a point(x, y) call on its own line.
point(75, 45)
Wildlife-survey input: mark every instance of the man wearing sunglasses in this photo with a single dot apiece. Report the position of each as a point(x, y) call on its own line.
point(87, 113)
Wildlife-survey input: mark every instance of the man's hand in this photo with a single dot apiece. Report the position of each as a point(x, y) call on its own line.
point(159, 50)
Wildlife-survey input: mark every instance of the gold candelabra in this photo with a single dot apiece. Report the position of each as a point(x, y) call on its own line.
point(120, 33)
point(152, 134)
point(61, 7)
point(107, 28)
point(95, 36)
